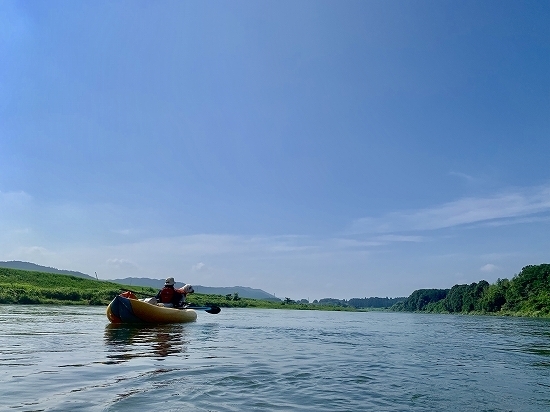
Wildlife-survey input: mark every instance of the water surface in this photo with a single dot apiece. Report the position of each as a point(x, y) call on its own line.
point(65, 358)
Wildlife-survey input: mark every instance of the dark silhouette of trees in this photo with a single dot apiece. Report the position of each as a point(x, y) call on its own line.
point(420, 299)
point(374, 302)
point(527, 292)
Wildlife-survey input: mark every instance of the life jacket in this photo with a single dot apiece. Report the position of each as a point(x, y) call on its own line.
point(167, 294)
point(128, 295)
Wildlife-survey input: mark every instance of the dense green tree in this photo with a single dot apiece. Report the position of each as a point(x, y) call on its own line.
point(420, 298)
point(531, 282)
point(332, 301)
point(494, 297)
point(471, 296)
point(374, 302)
point(453, 301)
point(527, 293)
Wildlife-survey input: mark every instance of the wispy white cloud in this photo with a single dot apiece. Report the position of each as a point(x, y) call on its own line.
point(121, 263)
point(32, 251)
point(504, 206)
point(35, 254)
point(282, 262)
point(122, 231)
point(489, 267)
point(517, 220)
point(197, 266)
point(14, 199)
point(400, 238)
point(462, 176)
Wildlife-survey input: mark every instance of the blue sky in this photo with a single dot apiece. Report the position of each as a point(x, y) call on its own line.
point(308, 148)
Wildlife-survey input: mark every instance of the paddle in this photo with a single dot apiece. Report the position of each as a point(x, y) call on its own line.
point(213, 309)
point(136, 293)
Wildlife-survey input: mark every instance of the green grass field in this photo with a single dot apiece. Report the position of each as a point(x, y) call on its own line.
point(28, 287)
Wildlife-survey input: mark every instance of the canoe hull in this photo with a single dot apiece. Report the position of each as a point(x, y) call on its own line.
point(124, 310)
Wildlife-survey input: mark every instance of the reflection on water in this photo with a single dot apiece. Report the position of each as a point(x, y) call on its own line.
point(125, 342)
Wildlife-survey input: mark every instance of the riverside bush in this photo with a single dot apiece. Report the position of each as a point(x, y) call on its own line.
point(526, 294)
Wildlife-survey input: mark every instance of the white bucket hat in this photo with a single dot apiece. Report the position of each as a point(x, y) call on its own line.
point(169, 282)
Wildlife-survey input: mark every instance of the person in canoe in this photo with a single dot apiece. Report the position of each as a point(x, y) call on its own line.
point(171, 297)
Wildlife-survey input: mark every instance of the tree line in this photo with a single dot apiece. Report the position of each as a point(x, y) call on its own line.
point(527, 293)
point(361, 303)
point(30, 287)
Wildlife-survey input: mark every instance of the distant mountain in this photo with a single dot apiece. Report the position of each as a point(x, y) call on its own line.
point(244, 292)
point(15, 264)
point(152, 283)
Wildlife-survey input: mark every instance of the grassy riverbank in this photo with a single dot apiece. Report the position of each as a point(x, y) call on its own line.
point(29, 287)
point(526, 294)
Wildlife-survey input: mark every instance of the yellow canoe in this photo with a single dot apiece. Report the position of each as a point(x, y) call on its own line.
point(125, 310)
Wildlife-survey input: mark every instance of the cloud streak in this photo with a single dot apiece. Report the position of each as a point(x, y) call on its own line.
point(279, 263)
point(463, 176)
point(504, 206)
point(489, 267)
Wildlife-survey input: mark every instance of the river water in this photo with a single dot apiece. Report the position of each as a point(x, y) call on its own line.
point(67, 358)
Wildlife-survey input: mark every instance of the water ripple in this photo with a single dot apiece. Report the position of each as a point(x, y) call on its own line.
point(66, 358)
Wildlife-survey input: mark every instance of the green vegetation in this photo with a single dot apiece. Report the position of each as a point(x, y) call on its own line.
point(526, 294)
point(30, 287)
point(421, 299)
point(374, 302)
point(234, 301)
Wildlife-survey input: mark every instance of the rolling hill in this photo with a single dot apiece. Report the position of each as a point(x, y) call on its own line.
point(243, 291)
point(15, 264)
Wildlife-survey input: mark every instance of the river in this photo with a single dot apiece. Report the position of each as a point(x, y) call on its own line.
point(68, 358)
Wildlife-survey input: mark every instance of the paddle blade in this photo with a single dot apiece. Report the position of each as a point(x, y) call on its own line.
point(214, 310)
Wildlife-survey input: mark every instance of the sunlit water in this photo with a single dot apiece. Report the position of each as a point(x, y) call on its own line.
point(62, 358)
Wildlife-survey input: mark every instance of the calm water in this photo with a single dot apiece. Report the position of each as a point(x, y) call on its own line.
point(55, 358)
